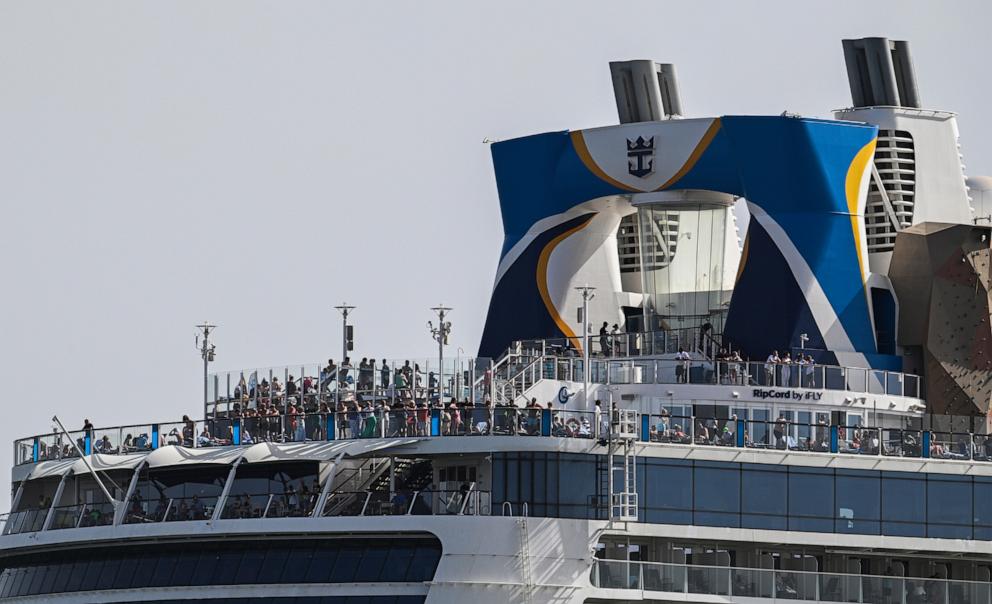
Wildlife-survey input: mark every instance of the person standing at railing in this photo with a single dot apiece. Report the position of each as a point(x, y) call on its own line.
point(808, 369)
point(616, 337)
point(682, 359)
point(770, 364)
point(384, 372)
point(786, 362)
point(604, 339)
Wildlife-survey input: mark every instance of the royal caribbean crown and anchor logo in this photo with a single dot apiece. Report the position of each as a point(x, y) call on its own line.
point(640, 156)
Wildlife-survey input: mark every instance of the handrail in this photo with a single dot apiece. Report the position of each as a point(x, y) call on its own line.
point(921, 440)
point(772, 583)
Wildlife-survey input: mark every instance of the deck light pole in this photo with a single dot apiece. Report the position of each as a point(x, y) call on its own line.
point(587, 294)
point(207, 354)
point(440, 334)
point(346, 342)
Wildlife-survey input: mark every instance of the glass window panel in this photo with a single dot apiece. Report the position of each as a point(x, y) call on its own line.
point(108, 573)
point(858, 502)
point(297, 563)
point(397, 562)
point(185, 567)
point(716, 494)
point(205, 567)
point(903, 504)
point(5, 582)
point(668, 491)
point(227, 567)
point(949, 506)
point(39, 576)
point(275, 562)
point(424, 563)
point(15, 582)
point(163, 570)
point(371, 566)
point(321, 564)
point(50, 575)
point(811, 499)
point(146, 568)
point(764, 496)
point(250, 567)
point(91, 574)
point(61, 579)
point(982, 499)
point(346, 565)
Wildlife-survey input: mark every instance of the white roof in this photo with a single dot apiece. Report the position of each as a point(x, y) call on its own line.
point(181, 456)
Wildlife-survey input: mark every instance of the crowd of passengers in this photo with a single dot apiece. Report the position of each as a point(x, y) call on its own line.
point(784, 435)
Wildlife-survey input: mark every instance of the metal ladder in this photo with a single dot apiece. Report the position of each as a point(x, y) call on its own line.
point(622, 466)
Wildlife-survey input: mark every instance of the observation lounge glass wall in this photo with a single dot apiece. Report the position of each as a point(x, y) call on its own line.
point(683, 253)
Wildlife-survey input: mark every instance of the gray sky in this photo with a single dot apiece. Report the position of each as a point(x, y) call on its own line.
point(254, 163)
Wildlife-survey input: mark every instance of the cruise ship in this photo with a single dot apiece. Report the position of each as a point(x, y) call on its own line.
point(665, 406)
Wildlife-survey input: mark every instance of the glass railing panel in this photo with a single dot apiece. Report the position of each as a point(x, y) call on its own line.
point(708, 580)
point(346, 503)
point(662, 577)
point(24, 451)
point(834, 378)
point(902, 443)
point(715, 432)
point(982, 447)
point(858, 441)
point(66, 516)
point(948, 445)
point(26, 521)
point(213, 433)
point(145, 511)
point(857, 379)
point(190, 508)
point(894, 383)
point(176, 433)
point(911, 385)
point(573, 424)
point(666, 428)
point(615, 574)
point(136, 439)
point(505, 421)
point(107, 441)
point(876, 382)
point(732, 373)
point(792, 585)
point(752, 582)
point(97, 514)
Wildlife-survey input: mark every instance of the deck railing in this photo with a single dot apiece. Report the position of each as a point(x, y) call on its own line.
point(460, 421)
point(785, 584)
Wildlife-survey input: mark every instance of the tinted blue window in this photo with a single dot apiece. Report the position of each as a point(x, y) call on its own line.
point(811, 499)
point(858, 496)
point(716, 494)
point(982, 501)
point(395, 560)
point(904, 504)
point(949, 506)
point(764, 496)
point(667, 491)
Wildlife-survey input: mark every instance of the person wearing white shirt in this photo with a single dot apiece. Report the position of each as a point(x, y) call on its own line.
point(786, 361)
point(682, 359)
point(770, 363)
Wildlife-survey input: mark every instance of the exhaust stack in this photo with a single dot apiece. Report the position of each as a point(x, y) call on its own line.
point(880, 72)
point(645, 91)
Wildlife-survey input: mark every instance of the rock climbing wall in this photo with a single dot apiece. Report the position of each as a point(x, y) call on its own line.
point(941, 276)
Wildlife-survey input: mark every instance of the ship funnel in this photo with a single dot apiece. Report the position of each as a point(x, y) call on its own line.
point(645, 91)
point(880, 72)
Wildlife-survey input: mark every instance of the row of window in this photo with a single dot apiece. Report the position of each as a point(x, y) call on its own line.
point(758, 496)
point(297, 600)
point(228, 563)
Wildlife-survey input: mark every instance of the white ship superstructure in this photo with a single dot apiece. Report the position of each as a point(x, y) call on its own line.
point(774, 419)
